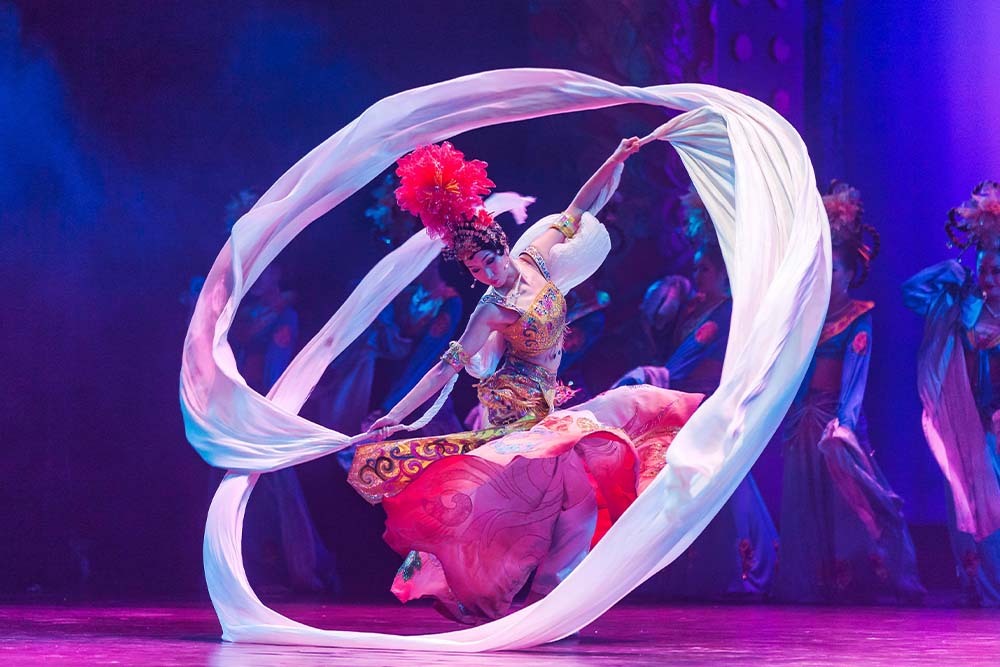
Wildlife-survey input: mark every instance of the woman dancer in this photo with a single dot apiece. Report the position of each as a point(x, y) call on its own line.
point(958, 377)
point(478, 512)
point(688, 322)
point(843, 536)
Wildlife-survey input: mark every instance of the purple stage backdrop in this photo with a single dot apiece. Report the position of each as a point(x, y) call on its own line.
point(126, 128)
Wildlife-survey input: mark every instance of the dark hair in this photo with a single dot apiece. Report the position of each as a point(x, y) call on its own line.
point(845, 209)
point(713, 253)
point(856, 255)
point(499, 246)
point(469, 239)
point(975, 222)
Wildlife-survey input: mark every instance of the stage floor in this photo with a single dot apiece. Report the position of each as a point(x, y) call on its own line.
point(188, 634)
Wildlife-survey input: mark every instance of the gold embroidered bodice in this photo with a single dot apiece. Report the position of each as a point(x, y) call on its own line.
point(540, 328)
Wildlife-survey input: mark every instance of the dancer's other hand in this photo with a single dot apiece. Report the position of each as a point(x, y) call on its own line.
point(626, 148)
point(382, 425)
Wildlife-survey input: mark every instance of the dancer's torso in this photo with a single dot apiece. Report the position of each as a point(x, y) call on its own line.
point(838, 332)
point(818, 399)
point(697, 346)
point(525, 385)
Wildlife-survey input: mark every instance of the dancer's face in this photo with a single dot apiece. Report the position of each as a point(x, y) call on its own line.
point(490, 267)
point(709, 278)
point(989, 274)
point(843, 274)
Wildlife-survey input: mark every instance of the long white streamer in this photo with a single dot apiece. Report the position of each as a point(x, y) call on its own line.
point(753, 173)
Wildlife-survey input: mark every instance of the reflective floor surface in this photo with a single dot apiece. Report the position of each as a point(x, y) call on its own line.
point(188, 634)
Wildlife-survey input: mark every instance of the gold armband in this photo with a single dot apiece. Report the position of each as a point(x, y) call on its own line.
point(455, 356)
point(566, 225)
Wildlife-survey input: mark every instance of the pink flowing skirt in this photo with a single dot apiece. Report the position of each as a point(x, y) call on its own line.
point(476, 525)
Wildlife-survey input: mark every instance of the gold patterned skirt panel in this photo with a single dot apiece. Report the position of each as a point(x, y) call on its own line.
point(385, 468)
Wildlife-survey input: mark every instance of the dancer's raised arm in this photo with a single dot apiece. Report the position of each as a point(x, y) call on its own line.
point(568, 223)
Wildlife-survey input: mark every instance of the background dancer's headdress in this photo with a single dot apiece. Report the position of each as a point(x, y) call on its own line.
point(977, 221)
point(698, 227)
point(443, 189)
point(390, 225)
point(844, 209)
point(697, 224)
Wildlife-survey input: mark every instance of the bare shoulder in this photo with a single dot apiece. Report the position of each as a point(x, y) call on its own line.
point(491, 315)
point(536, 259)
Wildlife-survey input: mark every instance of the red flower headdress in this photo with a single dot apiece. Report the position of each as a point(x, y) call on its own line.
point(443, 189)
point(977, 221)
point(844, 209)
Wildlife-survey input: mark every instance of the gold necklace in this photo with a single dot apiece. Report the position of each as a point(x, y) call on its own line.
point(510, 298)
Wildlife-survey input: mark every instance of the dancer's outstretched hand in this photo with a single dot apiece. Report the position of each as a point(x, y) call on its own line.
point(626, 148)
point(381, 426)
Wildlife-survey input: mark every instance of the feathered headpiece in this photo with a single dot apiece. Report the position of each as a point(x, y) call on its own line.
point(443, 189)
point(844, 209)
point(977, 221)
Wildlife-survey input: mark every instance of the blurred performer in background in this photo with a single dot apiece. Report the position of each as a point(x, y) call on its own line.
point(958, 378)
point(843, 536)
point(426, 314)
point(283, 551)
point(687, 323)
point(586, 318)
